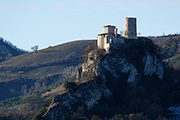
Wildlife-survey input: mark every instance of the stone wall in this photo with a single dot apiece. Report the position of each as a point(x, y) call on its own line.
point(109, 29)
point(100, 41)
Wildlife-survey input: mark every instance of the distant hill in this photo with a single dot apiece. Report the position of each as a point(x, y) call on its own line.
point(7, 49)
point(170, 45)
point(38, 70)
point(33, 71)
point(125, 84)
point(170, 49)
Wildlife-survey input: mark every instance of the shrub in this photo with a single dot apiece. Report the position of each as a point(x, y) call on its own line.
point(97, 80)
point(86, 52)
point(94, 117)
point(42, 111)
point(38, 116)
point(70, 86)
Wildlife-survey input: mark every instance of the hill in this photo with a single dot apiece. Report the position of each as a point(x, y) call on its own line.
point(7, 50)
point(26, 80)
point(38, 70)
point(170, 49)
point(33, 71)
point(130, 82)
point(170, 45)
point(125, 83)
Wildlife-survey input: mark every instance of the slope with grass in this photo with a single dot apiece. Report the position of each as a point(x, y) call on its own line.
point(33, 71)
point(170, 45)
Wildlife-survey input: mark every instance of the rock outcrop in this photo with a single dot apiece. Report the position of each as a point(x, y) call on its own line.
point(124, 62)
point(153, 66)
point(87, 95)
point(117, 62)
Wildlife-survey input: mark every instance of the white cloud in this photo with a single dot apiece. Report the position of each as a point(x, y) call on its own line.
point(109, 6)
point(118, 6)
point(173, 3)
point(145, 4)
point(95, 5)
point(5, 7)
point(59, 7)
point(33, 6)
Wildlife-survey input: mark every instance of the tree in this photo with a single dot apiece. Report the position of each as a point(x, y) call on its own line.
point(35, 48)
point(70, 86)
point(86, 52)
point(121, 32)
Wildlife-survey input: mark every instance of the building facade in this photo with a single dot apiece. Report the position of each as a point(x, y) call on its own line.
point(110, 36)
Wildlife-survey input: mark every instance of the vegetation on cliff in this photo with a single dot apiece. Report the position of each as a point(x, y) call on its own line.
point(148, 98)
point(136, 103)
point(40, 74)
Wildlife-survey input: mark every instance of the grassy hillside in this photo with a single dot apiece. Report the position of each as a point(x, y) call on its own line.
point(33, 71)
point(170, 45)
point(26, 78)
point(170, 49)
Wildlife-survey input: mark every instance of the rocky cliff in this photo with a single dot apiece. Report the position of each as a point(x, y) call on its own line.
point(104, 79)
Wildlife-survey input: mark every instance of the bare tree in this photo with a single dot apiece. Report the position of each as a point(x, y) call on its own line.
point(35, 48)
point(121, 32)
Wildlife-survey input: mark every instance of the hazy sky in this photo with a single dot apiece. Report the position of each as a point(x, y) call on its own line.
point(26, 23)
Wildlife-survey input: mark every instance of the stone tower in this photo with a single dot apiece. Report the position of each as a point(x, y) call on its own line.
point(130, 27)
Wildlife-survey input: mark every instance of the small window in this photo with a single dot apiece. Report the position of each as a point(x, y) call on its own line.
point(110, 40)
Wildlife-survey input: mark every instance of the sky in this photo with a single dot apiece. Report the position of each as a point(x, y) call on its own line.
point(27, 23)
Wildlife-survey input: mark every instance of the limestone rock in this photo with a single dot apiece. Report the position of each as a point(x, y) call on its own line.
point(87, 94)
point(153, 65)
point(116, 65)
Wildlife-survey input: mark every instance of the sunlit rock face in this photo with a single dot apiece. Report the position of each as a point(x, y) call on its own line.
point(114, 63)
point(153, 66)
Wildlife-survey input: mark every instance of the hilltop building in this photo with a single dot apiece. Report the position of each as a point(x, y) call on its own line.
point(130, 27)
point(111, 37)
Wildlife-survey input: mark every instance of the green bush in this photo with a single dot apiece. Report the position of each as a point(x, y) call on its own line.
point(10, 102)
point(42, 111)
point(38, 116)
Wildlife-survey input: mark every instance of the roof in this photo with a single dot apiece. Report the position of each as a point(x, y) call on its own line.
point(108, 34)
point(109, 26)
point(130, 17)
